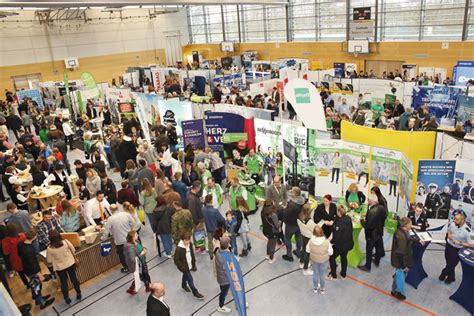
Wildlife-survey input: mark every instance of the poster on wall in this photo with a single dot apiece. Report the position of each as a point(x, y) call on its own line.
point(114, 97)
point(158, 78)
point(406, 181)
point(462, 190)
point(173, 111)
point(268, 135)
point(385, 173)
point(298, 137)
point(441, 100)
point(356, 162)
point(193, 133)
point(434, 186)
point(139, 110)
point(378, 90)
point(34, 94)
point(328, 168)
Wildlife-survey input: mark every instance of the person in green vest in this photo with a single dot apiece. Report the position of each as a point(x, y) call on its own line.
point(377, 109)
point(214, 189)
point(364, 170)
point(204, 173)
point(44, 134)
point(354, 198)
point(254, 165)
point(236, 190)
point(336, 166)
point(393, 179)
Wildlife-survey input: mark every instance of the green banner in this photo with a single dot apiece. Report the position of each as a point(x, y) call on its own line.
point(234, 137)
point(66, 85)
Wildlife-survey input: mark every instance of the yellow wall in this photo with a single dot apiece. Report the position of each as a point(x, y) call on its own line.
point(104, 68)
point(328, 53)
point(415, 145)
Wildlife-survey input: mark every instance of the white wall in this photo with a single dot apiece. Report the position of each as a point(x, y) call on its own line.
point(24, 40)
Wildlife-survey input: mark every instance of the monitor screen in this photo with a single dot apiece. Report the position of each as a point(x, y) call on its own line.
point(289, 151)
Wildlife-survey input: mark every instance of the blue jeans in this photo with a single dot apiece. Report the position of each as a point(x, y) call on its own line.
point(150, 218)
point(167, 243)
point(188, 278)
point(223, 294)
point(319, 273)
point(395, 285)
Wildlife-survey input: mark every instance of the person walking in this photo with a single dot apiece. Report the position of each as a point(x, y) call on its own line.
point(133, 249)
point(181, 222)
point(221, 274)
point(186, 262)
point(306, 226)
point(271, 228)
point(242, 227)
point(402, 256)
point(61, 254)
point(118, 225)
point(319, 249)
point(342, 242)
point(291, 226)
point(161, 224)
point(148, 199)
point(212, 220)
point(9, 249)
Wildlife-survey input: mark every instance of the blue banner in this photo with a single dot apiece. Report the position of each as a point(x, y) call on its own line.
point(463, 74)
point(236, 280)
point(441, 100)
point(228, 80)
point(219, 123)
point(339, 69)
point(193, 133)
point(34, 94)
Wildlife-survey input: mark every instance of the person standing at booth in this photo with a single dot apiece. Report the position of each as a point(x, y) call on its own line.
point(325, 214)
point(290, 217)
point(354, 198)
point(279, 196)
point(458, 236)
point(254, 165)
point(373, 226)
point(418, 218)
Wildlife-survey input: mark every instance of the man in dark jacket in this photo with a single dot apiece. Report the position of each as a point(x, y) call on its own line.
point(143, 172)
point(108, 187)
point(342, 241)
point(194, 202)
point(373, 227)
point(14, 123)
point(126, 150)
point(290, 217)
point(402, 253)
point(212, 219)
point(217, 93)
point(155, 305)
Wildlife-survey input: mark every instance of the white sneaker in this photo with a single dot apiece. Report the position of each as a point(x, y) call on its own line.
point(271, 261)
point(301, 265)
point(224, 310)
point(315, 290)
point(267, 258)
point(168, 256)
point(307, 272)
point(322, 291)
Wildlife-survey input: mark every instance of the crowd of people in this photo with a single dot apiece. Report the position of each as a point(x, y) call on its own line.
point(184, 197)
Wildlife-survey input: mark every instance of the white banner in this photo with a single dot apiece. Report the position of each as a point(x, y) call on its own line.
point(140, 111)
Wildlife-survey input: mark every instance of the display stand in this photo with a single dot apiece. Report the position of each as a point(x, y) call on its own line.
point(417, 273)
point(464, 293)
point(355, 256)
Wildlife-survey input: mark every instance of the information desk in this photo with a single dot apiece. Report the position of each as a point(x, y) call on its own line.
point(91, 263)
point(355, 256)
point(417, 273)
point(464, 294)
point(47, 197)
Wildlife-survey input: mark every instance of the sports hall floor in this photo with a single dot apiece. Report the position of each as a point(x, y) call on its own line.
point(277, 289)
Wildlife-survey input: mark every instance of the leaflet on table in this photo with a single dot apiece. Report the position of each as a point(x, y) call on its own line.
point(425, 236)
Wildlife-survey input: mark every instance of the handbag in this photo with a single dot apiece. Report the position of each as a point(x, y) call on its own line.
point(400, 280)
point(141, 215)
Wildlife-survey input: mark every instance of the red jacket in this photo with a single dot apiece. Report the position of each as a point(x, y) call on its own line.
point(10, 248)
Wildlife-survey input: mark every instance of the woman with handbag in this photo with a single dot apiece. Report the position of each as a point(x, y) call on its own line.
point(60, 254)
point(133, 250)
point(271, 228)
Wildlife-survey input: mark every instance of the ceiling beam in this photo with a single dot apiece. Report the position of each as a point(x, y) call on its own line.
point(91, 3)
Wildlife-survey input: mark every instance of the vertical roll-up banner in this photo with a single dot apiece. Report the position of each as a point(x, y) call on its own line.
point(406, 180)
point(462, 190)
point(356, 163)
point(329, 174)
point(66, 85)
point(140, 111)
point(193, 133)
point(236, 280)
point(385, 173)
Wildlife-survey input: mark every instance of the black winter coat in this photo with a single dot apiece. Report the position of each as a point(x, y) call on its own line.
point(321, 214)
point(180, 258)
point(342, 234)
point(162, 220)
point(402, 253)
point(374, 222)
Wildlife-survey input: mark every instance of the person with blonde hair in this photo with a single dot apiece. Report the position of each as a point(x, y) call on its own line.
point(242, 227)
point(354, 198)
point(319, 249)
point(306, 225)
point(130, 209)
point(147, 198)
point(93, 182)
point(342, 242)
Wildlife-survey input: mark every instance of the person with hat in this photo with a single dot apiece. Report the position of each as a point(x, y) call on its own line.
point(418, 218)
point(220, 274)
point(468, 193)
point(325, 215)
point(458, 236)
point(433, 201)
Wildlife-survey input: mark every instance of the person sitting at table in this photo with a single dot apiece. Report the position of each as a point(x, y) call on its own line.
point(48, 223)
point(418, 218)
point(20, 198)
point(12, 177)
point(70, 218)
point(354, 198)
point(402, 253)
point(93, 181)
point(458, 237)
point(325, 215)
point(61, 178)
point(96, 210)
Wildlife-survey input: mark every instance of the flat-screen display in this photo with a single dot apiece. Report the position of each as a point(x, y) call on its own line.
point(289, 151)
